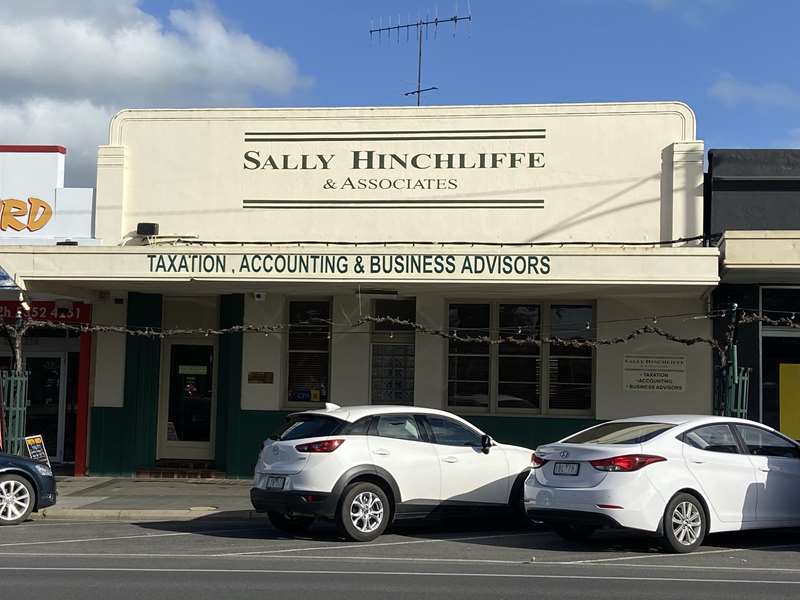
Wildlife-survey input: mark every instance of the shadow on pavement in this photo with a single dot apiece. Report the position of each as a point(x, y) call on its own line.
point(486, 532)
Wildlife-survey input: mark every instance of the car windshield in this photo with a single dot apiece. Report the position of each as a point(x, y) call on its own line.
point(629, 432)
point(308, 426)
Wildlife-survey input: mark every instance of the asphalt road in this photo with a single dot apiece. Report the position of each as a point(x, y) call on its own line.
point(247, 559)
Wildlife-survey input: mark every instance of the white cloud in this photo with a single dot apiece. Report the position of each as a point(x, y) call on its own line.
point(66, 67)
point(732, 92)
point(695, 12)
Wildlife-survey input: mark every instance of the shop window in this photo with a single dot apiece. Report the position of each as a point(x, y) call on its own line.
point(510, 375)
point(393, 353)
point(469, 362)
point(518, 364)
point(570, 368)
point(309, 350)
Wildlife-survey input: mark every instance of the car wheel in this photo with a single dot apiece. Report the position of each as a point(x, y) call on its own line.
point(685, 524)
point(16, 499)
point(363, 513)
point(289, 523)
point(573, 532)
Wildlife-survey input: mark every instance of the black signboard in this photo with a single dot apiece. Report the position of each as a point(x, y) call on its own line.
point(34, 444)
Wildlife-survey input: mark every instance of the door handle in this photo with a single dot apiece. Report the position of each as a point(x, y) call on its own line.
point(450, 459)
point(764, 469)
point(381, 452)
point(698, 462)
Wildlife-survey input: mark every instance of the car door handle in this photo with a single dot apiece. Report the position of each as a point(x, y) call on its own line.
point(450, 459)
point(698, 462)
point(381, 452)
point(764, 469)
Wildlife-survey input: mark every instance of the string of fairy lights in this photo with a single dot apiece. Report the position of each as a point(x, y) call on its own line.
point(519, 336)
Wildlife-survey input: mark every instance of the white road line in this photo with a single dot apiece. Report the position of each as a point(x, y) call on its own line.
point(664, 556)
point(402, 574)
point(379, 545)
point(404, 559)
point(120, 537)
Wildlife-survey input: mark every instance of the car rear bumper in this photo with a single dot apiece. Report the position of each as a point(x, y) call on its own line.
point(315, 504)
point(630, 502)
point(555, 516)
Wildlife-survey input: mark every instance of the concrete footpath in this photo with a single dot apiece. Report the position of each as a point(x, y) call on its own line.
point(113, 499)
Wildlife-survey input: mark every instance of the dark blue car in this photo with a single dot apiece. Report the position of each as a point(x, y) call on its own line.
point(25, 486)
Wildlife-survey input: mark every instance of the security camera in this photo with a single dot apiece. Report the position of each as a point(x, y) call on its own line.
point(259, 296)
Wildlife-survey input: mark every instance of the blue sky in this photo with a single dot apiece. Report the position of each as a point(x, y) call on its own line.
point(736, 63)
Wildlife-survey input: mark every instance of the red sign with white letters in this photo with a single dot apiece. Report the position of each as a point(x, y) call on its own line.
point(63, 312)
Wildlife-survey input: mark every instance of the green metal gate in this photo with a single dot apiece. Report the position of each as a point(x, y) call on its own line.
point(733, 388)
point(15, 405)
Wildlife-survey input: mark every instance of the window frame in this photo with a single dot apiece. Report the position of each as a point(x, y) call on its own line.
point(467, 426)
point(746, 450)
point(394, 338)
point(742, 449)
point(372, 431)
point(294, 404)
point(544, 359)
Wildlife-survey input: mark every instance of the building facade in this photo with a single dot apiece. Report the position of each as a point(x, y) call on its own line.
point(753, 202)
point(36, 209)
point(378, 250)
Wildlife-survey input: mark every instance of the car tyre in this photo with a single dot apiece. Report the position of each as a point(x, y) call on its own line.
point(291, 524)
point(17, 499)
point(364, 512)
point(685, 524)
point(573, 532)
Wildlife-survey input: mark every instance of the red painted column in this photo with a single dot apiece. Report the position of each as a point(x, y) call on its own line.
point(82, 416)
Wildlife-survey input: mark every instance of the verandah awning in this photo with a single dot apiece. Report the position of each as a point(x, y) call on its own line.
point(97, 268)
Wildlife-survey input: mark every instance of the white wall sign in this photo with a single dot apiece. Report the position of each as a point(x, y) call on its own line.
point(654, 373)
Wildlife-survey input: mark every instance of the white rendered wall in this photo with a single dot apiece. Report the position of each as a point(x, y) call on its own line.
point(108, 354)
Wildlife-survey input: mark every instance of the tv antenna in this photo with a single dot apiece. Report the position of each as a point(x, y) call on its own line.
point(422, 28)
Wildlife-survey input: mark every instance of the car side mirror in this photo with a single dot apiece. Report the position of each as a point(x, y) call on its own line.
point(486, 443)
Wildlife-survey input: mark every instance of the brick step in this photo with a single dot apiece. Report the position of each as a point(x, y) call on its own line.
point(181, 469)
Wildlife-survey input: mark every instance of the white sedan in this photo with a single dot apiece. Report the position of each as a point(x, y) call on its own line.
point(677, 476)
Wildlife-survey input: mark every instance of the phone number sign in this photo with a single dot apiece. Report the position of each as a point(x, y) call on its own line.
point(69, 312)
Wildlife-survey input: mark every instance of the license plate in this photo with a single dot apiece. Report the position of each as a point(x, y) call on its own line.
point(275, 483)
point(564, 468)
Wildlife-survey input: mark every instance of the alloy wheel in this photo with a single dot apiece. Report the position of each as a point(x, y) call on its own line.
point(366, 512)
point(14, 500)
point(687, 523)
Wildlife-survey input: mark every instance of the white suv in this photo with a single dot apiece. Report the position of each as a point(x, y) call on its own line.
point(364, 466)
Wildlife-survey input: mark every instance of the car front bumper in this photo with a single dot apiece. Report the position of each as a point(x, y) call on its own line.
point(293, 502)
point(46, 494)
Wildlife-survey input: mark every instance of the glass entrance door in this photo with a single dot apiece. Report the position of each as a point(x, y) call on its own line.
point(188, 402)
point(50, 413)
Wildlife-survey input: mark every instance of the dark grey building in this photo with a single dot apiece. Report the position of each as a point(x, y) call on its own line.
point(752, 200)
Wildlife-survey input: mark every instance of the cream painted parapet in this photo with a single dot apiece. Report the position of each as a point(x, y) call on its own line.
point(682, 191)
point(513, 173)
point(687, 189)
point(110, 196)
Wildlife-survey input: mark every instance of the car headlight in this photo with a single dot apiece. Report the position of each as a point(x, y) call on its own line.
point(43, 470)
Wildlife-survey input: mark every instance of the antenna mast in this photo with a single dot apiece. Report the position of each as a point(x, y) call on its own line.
point(421, 28)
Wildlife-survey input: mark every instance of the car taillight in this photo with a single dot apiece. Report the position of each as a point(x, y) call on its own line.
point(321, 446)
point(537, 461)
point(626, 463)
